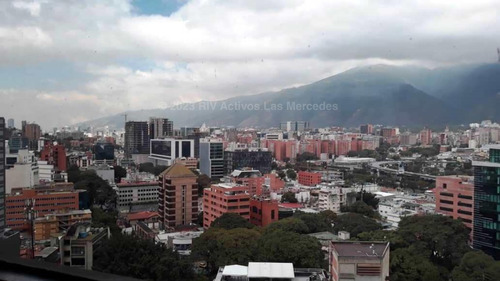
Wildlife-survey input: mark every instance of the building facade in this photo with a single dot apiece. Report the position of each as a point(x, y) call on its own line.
point(165, 151)
point(359, 261)
point(246, 158)
point(55, 155)
point(263, 211)
point(178, 196)
point(455, 198)
point(309, 178)
point(486, 229)
point(2, 174)
point(77, 247)
point(225, 198)
point(46, 202)
point(134, 196)
point(136, 138)
point(160, 128)
point(212, 159)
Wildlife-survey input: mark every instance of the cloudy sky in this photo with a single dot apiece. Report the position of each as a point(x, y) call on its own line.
point(65, 61)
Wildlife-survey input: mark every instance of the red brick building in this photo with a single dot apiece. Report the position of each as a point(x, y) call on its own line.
point(455, 198)
point(309, 178)
point(225, 198)
point(46, 202)
point(263, 211)
point(178, 196)
point(55, 155)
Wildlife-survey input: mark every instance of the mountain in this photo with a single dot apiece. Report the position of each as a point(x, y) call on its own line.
point(380, 94)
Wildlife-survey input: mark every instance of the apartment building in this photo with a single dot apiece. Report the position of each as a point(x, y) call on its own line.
point(225, 198)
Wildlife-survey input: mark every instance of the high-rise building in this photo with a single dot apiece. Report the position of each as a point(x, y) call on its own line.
point(178, 196)
point(486, 229)
point(425, 137)
point(2, 174)
point(212, 158)
point(366, 129)
point(245, 158)
point(294, 126)
point(32, 132)
point(10, 123)
point(55, 155)
point(160, 128)
point(454, 198)
point(136, 138)
point(225, 198)
point(165, 151)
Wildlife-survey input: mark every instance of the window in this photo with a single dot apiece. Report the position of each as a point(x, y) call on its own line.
point(368, 269)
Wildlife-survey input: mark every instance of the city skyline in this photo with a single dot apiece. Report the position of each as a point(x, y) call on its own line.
point(104, 57)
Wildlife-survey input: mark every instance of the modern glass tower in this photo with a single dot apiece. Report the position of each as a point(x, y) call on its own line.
point(486, 231)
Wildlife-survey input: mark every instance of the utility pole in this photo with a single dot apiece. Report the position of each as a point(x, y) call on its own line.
point(31, 216)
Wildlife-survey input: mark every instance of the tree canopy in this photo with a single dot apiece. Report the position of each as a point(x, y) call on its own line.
point(355, 224)
point(289, 197)
point(143, 259)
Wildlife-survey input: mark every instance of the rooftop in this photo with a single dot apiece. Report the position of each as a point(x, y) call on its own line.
point(270, 270)
point(141, 215)
point(177, 170)
point(361, 249)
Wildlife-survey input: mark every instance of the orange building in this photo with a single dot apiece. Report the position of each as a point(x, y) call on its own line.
point(455, 198)
point(225, 198)
point(263, 211)
point(54, 155)
point(309, 178)
point(56, 223)
point(178, 196)
point(46, 202)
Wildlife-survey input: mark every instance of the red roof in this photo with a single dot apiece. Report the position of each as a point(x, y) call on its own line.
point(142, 215)
point(291, 205)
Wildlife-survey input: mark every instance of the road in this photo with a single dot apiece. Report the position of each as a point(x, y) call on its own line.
point(380, 165)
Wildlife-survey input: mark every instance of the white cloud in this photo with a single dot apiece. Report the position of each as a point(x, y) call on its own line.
point(218, 49)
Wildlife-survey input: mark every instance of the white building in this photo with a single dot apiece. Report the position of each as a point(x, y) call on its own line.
point(179, 241)
point(139, 196)
point(331, 197)
point(45, 171)
point(24, 173)
point(165, 151)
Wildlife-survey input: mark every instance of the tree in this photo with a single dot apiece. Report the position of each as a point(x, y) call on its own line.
point(408, 266)
point(101, 218)
point(476, 266)
point(314, 222)
point(73, 174)
point(99, 190)
point(120, 173)
point(329, 216)
point(203, 182)
point(219, 247)
point(143, 259)
point(369, 198)
point(360, 207)
point(440, 239)
point(384, 235)
point(291, 174)
point(230, 221)
point(282, 246)
point(281, 174)
point(292, 224)
point(355, 224)
point(306, 156)
point(289, 197)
